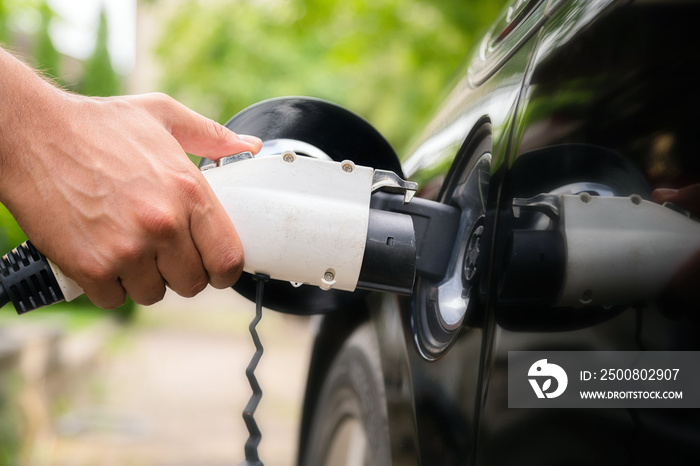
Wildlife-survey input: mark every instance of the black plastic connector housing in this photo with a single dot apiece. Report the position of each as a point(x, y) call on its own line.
point(436, 226)
point(27, 280)
point(535, 267)
point(389, 262)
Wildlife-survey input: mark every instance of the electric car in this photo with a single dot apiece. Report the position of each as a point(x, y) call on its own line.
point(587, 99)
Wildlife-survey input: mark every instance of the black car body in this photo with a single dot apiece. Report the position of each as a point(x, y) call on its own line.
point(560, 94)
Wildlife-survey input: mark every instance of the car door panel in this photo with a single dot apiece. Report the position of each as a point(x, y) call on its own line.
point(621, 84)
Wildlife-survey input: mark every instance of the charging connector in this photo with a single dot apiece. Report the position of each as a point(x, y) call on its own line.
point(299, 219)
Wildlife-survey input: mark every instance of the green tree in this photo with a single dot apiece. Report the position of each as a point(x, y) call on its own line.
point(99, 77)
point(3, 22)
point(385, 59)
point(46, 56)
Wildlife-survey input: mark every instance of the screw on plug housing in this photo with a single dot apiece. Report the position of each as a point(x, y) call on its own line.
point(289, 156)
point(587, 297)
point(348, 166)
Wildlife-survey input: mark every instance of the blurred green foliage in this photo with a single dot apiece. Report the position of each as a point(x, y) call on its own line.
point(388, 60)
point(46, 56)
point(24, 26)
point(99, 78)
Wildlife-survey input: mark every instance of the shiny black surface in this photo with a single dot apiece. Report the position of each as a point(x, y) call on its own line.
point(596, 91)
point(622, 82)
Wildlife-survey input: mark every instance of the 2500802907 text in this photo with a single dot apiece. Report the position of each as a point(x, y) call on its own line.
point(630, 374)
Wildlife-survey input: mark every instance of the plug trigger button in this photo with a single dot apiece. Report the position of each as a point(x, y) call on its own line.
point(234, 158)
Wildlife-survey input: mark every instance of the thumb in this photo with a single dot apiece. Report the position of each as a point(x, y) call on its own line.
point(205, 137)
point(687, 198)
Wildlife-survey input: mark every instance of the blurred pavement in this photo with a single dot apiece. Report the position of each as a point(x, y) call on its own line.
point(169, 390)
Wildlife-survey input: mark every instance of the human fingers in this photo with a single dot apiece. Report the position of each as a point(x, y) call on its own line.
point(106, 293)
point(217, 241)
point(182, 267)
point(164, 252)
point(197, 134)
point(687, 198)
point(143, 282)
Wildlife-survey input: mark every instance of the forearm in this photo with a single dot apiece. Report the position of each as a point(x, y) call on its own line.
point(32, 128)
point(26, 103)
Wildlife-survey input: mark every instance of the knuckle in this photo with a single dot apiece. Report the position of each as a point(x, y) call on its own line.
point(216, 130)
point(158, 104)
point(151, 297)
point(107, 299)
point(158, 221)
point(193, 288)
point(189, 186)
point(226, 269)
point(126, 253)
point(95, 269)
point(160, 99)
point(114, 303)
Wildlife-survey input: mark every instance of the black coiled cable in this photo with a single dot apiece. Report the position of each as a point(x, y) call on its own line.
point(251, 446)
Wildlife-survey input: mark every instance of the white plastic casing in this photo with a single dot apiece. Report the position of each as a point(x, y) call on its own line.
point(622, 249)
point(299, 219)
point(69, 288)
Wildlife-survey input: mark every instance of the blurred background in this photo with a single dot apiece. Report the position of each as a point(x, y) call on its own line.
point(166, 385)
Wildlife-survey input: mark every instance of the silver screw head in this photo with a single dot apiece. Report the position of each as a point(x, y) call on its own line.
point(289, 156)
point(587, 297)
point(329, 276)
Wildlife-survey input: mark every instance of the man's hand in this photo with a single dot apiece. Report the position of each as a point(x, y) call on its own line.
point(103, 187)
point(684, 284)
point(687, 198)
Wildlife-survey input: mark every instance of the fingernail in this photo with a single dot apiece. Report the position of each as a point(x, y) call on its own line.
point(250, 139)
point(666, 191)
point(661, 194)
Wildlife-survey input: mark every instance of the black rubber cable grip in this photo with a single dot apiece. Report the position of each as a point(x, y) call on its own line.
point(27, 280)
